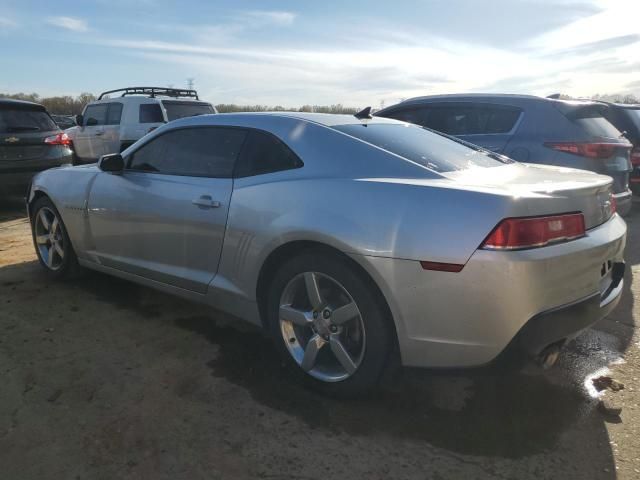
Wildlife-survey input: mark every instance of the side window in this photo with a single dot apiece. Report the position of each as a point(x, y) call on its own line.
point(95, 115)
point(472, 120)
point(196, 152)
point(150, 113)
point(264, 153)
point(415, 115)
point(114, 114)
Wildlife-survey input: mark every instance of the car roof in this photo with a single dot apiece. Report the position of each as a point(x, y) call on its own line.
point(10, 102)
point(267, 120)
point(510, 99)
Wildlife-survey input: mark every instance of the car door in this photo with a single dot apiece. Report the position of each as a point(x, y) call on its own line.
point(87, 141)
point(164, 217)
point(110, 140)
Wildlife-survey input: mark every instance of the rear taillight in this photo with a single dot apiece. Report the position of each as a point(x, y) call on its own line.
point(590, 150)
point(635, 156)
point(530, 232)
point(58, 139)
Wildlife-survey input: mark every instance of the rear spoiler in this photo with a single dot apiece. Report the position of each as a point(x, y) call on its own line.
point(573, 109)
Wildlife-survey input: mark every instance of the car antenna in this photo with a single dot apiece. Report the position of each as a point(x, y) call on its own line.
point(364, 113)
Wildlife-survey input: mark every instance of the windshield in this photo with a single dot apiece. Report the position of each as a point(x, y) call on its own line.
point(432, 150)
point(177, 110)
point(22, 120)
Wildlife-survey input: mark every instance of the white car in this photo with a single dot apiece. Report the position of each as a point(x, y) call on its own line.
point(111, 124)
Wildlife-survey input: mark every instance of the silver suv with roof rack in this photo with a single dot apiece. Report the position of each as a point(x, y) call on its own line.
point(121, 117)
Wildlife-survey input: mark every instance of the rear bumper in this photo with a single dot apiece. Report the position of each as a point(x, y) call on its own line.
point(16, 179)
point(468, 318)
point(567, 321)
point(623, 202)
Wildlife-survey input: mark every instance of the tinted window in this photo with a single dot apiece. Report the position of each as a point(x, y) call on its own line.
point(150, 113)
point(265, 153)
point(634, 115)
point(96, 114)
point(114, 114)
point(21, 120)
point(429, 149)
point(198, 152)
point(597, 126)
point(177, 110)
point(462, 119)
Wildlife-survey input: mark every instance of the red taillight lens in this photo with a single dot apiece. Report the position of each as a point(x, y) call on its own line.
point(59, 139)
point(590, 150)
point(517, 233)
point(635, 156)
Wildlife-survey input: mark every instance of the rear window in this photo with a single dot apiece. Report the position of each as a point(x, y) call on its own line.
point(634, 115)
point(150, 113)
point(429, 149)
point(22, 120)
point(590, 118)
point(177, 110)
point(598, 126)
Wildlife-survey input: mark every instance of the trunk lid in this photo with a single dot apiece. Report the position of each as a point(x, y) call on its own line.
point(545, 189)
point(23, 128)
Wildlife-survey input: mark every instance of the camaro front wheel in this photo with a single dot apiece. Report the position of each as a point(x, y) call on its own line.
point(51, 240)
point(328, 323)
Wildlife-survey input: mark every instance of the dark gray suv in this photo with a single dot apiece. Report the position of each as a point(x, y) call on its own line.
point(529, 129)
point(30, 141)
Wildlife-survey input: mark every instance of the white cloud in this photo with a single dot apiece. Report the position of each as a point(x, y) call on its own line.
point(7, 23)
point(274, 17)
point(69, 23)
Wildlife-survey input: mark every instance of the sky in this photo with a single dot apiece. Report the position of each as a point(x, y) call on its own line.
point(323, 52)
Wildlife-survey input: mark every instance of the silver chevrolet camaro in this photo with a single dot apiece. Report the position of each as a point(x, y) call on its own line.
point(350, 239)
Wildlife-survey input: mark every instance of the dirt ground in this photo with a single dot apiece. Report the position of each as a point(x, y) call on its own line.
point(103, 379)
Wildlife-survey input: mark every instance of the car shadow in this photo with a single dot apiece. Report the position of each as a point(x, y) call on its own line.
point(12, 208)
point(492, 411)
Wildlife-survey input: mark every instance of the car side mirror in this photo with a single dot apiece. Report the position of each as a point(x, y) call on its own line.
point(79, 119)
point(113, 163)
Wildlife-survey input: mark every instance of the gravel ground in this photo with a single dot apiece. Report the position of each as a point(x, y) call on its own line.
point(102, 378)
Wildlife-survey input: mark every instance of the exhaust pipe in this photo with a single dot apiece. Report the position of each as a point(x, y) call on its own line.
point(548, 357)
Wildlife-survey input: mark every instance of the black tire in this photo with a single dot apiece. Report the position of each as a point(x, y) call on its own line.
point(69, 267)
point(379, 331)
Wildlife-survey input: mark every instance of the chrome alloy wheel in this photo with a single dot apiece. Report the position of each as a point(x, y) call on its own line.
point(322, 327)
point(49, 238)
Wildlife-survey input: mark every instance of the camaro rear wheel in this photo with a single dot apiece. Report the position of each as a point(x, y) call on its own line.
point(51, 241)
point(328, 324)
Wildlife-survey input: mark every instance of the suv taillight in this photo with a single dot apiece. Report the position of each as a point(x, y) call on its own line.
point(584, 149)
point(635, 156)
point(530, 232)
point(58, 139)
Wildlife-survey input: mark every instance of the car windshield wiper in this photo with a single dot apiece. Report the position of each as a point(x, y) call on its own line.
point(22, 128)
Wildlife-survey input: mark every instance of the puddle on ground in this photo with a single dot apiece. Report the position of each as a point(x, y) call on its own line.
point(483, 412)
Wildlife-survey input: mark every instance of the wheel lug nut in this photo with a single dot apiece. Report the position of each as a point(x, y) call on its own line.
point(333, 328)
point(326, 313)
point(315, 314)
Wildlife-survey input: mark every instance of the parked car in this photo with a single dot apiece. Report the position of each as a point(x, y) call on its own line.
point(64, 121)
point(30, 142)
point(529, 129)
point(348, 238)
point(626, 118)
point(111, 124)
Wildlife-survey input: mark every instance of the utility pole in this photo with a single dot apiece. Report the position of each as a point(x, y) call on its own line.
point(190, 82)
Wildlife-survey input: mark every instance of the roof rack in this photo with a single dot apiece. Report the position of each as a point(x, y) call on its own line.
point(152, 92)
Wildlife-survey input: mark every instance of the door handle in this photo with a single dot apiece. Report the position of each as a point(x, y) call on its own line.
point(98, 133)
point(206, 201)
